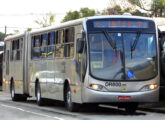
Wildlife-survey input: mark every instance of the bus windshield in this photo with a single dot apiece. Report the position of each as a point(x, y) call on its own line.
point(134, 56)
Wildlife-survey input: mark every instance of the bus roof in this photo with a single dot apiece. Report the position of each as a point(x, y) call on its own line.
point(75, 22)
point(119, 16)
point(14, 36)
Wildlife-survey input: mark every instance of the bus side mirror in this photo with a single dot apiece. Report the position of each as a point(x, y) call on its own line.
point(80, 45)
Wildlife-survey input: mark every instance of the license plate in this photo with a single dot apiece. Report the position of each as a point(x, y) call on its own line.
point(124, 97)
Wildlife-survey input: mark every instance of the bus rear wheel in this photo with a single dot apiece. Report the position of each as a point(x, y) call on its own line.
point(14, 97)
point(72, 107)
point(40, 100)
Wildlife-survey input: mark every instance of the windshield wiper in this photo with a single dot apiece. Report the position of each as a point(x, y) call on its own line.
point(135, 42)
point(133, 46)
point(109, 39)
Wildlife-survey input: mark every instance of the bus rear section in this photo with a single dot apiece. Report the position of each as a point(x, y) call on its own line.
point(123, 61)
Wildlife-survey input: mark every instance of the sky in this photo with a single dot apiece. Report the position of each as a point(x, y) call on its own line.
point(20, 14)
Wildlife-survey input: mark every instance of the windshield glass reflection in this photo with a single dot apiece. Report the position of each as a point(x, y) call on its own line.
point(123, 62)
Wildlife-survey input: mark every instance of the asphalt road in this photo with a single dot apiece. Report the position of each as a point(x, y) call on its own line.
point(28, 110)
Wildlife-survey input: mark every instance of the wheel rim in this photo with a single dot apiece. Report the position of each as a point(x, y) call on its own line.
point(12, 91)
point(69, 98)
point(38, 95)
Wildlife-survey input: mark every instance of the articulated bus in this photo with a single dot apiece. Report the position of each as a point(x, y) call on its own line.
point(99, 60)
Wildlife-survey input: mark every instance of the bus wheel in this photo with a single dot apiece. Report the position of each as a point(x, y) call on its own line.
point(40, 100)
point(12, 91)
point(131, 108)
point(72, 107)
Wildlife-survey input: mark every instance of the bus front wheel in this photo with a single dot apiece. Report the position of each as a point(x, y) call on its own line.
point(12, 91)
point(72, 107)
point(40, 100)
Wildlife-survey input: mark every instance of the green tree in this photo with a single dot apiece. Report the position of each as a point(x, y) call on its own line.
point(71, 16)
point(158, 8)
point(127, 10)
point(83, 12)
point(46, 21)
point(2, 35)
point(116, 10)
point(138, 13)
point(29, 29)
point(16, 31)
point(86, 12)
point(135, 2)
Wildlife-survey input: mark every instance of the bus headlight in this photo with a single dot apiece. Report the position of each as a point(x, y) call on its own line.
point(97, 87)
point(149, 87)
point(153, 86)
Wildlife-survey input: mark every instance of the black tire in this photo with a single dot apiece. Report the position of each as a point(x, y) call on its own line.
point(131, 108)
point(40, 101)
point(14, 97)
point(70, 106)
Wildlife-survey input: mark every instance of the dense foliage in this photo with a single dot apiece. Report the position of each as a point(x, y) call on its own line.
point(83, 12)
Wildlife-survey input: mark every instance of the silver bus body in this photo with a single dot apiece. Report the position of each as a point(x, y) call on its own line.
point(53, 73)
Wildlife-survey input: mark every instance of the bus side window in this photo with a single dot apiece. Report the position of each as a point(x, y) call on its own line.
point(59, 46)
point(14, 50)
point(43, 44)
point(4, 52)
point(11, 51)
point(32, 46)
point(36, 47)
point(69, 42)
point(18, 51)
point(56, 38)
point(51, 43)
point(61, 36)
point(66, 44)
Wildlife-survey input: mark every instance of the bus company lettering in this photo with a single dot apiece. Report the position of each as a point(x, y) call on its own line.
point(113, 84)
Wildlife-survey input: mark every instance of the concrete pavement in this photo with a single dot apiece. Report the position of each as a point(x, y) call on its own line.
point(29, 110)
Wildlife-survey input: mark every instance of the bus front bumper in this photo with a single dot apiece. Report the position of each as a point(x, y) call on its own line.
point(92, 96)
